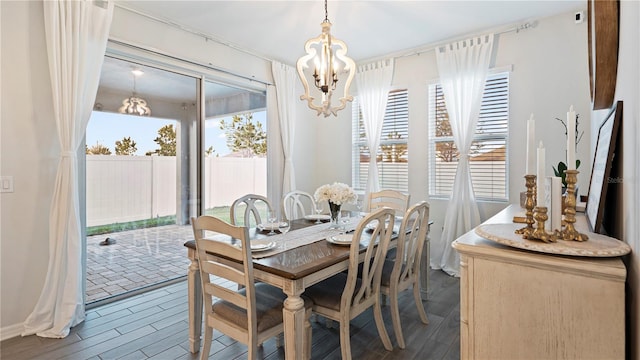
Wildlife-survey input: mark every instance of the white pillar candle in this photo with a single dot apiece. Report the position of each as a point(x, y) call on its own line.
point(571, 139)
point(531, 144)
point(541, 194)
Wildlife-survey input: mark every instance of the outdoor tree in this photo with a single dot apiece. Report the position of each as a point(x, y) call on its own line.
point(126, 146)
point(394, 152)
point(97, 149)
point(245, 136)
point(447, 150)
point(210, 151)
point(166, 140)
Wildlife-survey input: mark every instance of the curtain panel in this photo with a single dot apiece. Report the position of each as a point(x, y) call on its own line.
point(463, 67)
point(76, 35)
point(285, 78)
point(374, 83)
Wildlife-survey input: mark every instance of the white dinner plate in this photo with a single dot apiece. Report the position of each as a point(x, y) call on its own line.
point(372, 225)
point(317, 217)
point(257, 245)
point(268, 226)
point(341, 239)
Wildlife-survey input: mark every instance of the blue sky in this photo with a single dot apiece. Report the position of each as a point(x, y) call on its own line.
point(106, 128)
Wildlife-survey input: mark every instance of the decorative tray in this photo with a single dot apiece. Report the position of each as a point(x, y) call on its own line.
point(597, 246)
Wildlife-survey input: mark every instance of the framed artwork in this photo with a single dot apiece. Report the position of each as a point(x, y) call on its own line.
point(602, 161)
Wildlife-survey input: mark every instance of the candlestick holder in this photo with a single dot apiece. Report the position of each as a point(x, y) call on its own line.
point(569, 232)
point(530, 183)
point(539, 233)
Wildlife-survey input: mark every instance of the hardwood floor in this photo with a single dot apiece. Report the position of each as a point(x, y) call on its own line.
point(154, 325)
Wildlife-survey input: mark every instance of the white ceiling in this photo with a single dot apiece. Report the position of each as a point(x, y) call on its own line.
point(371, 29)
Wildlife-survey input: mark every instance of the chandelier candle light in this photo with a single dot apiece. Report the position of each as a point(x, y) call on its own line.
point(329, 56)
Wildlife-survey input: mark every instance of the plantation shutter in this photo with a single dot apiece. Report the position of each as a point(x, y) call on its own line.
point(392, 155)
point(488, 155)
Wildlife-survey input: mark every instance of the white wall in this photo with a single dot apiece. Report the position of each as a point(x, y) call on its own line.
point(29, 153)
point(549, 74)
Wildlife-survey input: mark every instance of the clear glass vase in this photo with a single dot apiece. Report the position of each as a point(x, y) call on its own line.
point(334, 209)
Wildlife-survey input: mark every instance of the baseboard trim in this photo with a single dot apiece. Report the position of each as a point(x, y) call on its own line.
point(11, 331)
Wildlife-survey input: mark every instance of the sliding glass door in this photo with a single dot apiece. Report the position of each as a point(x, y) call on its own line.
point(141, 178)
point(235, 147)
point(161, 147)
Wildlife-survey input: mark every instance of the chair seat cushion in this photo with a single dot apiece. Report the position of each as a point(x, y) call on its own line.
point(269, 303)
point(328, 293)
point(387, 268)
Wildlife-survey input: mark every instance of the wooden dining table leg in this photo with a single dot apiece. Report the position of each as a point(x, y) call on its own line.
point(294, 330)
point(194, 301)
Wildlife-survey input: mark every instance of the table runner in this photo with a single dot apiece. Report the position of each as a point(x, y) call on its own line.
point(304, 236)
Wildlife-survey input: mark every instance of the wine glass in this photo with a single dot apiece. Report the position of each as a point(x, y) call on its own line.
point(359, 206)
point(344, 220)
point(271, 218)
point(284, 226)
point(318, 210)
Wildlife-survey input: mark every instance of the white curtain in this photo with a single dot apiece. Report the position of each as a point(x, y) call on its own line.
point(374, 83)
point(285, 78)
point(463, 68)
point(76, 35)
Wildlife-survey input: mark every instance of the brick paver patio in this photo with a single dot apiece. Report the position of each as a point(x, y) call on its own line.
point(138, 258)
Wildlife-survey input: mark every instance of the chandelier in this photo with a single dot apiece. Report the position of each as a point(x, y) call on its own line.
point(134, 105)
point(329, 64)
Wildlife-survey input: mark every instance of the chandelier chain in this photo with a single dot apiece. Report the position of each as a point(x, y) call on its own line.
point(326, 12)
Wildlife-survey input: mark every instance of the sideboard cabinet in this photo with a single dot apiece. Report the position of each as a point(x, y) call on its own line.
point(519, 304)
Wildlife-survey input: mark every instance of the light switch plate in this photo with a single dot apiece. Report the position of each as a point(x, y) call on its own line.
point(6, 184)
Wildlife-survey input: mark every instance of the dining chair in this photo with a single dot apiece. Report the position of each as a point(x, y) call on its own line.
point(344, 296)
point(389, 198)
point(250, 315)
point(297, 204)
point(403, 272)
point(248, 208)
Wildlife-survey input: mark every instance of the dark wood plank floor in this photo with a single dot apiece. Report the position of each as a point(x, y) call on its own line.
point(154, 325)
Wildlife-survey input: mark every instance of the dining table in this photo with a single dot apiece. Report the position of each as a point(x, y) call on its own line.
point(303, 256)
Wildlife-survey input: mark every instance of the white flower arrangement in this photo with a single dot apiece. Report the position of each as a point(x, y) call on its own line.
point(337, 193)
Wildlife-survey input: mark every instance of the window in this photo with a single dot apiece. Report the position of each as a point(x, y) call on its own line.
point(488, 154)
point(392, 156)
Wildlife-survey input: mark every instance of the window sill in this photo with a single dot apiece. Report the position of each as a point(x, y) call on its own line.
point(447, 198)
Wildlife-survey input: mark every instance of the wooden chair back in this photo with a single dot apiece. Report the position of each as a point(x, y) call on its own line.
point(381, 221)
point(411, 238)
point(210, 258)
point(297, 204)
point(388, 198)
point(246, 210)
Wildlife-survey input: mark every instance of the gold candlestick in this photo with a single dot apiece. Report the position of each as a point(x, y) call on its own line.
point(530, 183)
point(569, 232)
point(539, 233)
